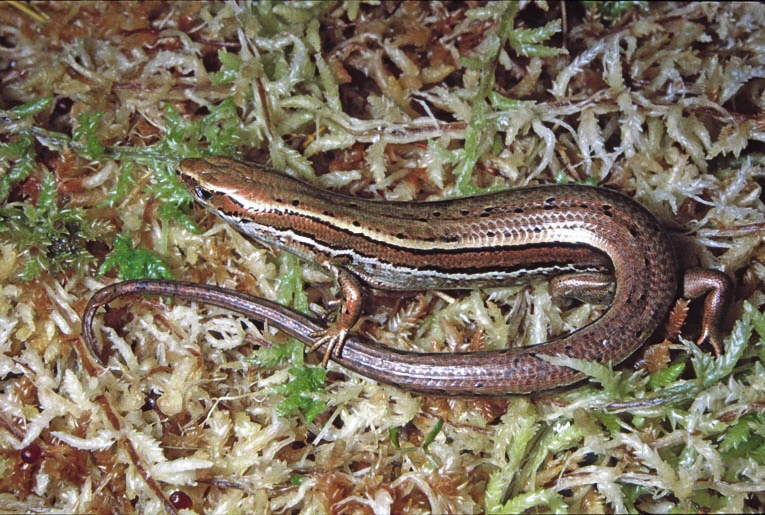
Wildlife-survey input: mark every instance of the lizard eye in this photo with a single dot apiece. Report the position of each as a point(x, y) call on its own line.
point(202, 193)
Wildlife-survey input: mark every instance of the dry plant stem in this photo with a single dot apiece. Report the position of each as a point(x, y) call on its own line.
point(92, 366)
point(124, 442)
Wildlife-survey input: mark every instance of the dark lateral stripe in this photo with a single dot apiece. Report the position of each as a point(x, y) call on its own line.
point(464, 260)
point(489, 270)
point(390, 245)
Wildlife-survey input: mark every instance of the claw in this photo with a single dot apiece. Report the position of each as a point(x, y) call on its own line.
point(334, 339)
point(711, 335)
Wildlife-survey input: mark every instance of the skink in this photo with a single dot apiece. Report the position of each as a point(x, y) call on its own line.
point(600, 245)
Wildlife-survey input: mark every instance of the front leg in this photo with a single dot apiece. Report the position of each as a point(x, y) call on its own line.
point(350, 310)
